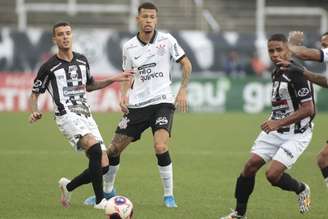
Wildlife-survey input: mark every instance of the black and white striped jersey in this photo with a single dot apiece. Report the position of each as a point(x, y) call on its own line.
point(65, 81)
point(289, 90)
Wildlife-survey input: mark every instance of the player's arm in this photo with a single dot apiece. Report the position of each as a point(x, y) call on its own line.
point(306, 109)
point(35, 113)
point(182, 98)
point(316, 78)
point(305, 53)
point(39, 87)
point(99, 84)
point(295, 45)
point(295, 68)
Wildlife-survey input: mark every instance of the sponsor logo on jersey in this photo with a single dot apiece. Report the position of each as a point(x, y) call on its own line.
point(37, 83)
point(303, 92)
point(74, 90)
point(161, 121)
point(124, 123)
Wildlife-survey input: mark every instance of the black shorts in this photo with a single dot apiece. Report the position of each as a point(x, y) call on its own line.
point(159, 116)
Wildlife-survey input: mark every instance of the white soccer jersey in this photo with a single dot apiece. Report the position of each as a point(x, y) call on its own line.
point(152, 63)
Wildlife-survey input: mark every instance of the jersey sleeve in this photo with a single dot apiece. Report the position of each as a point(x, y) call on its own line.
point(41, 80)
point(89, 77)
point(126, 59)
point(324, 55)
point(302, 88)
point(175, 49)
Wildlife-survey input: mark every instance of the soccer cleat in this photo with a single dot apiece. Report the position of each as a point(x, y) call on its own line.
point(169, 201)
point(101, 205)
point(304, 200)
point(65, 194)
point(233, 215)
point(92, 199)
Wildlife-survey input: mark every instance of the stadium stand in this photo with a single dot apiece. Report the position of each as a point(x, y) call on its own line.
point(175, 15)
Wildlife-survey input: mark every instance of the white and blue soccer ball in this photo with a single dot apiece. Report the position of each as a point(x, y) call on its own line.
point(119, 207)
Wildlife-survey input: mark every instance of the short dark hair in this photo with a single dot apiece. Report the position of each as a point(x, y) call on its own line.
point(278, 37)
point(59, 24)
point(147, 5)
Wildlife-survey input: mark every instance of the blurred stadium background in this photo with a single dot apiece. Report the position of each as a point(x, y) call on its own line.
point(226, 42)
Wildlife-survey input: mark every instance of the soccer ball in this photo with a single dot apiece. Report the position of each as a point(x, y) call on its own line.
point(119, 207)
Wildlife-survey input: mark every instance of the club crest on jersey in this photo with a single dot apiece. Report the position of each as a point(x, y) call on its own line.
point(124, 123)
point(72, 70)
point(161, 49)
point(303, 92)
point(161, 121)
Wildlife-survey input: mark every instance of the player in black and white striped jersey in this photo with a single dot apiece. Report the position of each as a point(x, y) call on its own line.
point(67, 77)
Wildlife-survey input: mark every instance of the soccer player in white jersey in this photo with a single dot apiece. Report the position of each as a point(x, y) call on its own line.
point(66, 76)
point(284, 137)
point(147, 101)
point(320, 55)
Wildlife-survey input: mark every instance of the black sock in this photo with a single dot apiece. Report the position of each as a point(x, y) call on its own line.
point(244, 188)
point(288, 183)
point(83, 178)
point(163, 159)
point(324, 172)
point(94, 153)
point(114, 161)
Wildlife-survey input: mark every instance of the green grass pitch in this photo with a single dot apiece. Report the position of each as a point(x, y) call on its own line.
point(208, 152)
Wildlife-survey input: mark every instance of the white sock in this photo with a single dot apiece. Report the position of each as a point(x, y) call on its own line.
point(166, 174)
point(326, 180)
point(109, 178)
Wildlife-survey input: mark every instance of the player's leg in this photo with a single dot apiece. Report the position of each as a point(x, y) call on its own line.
point(285, 158)
point(80, 131)
point(323, 162)
point(261, 152)
point(161, 139)
point(161, 124)
point(129, 129)
point(244, 186)
point(118, 144)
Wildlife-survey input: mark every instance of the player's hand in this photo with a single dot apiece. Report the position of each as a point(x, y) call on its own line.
point(34, 116)
point(291, 67)
point(270, 125)
point(123, 76)
point(181, 101)
point(124, 104)
point(296, 38)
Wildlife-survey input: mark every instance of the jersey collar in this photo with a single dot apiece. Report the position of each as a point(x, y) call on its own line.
point(151, 40)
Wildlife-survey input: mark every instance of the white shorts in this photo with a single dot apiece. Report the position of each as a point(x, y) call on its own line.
point(73, 126)
point(285, 148)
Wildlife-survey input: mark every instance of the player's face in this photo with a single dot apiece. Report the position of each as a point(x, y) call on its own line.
point(63, 37)
point(278, 49)
point(147, 20)
point(324, 41)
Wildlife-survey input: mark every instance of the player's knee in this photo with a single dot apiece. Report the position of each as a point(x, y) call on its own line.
point(272, 177)
point(322, 159)
point(113, 151)
point(87, 141)
point(160, 148)
point(250, 168)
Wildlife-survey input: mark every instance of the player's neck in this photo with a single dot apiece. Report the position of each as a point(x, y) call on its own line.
point(146, 37)
point(66, 55)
